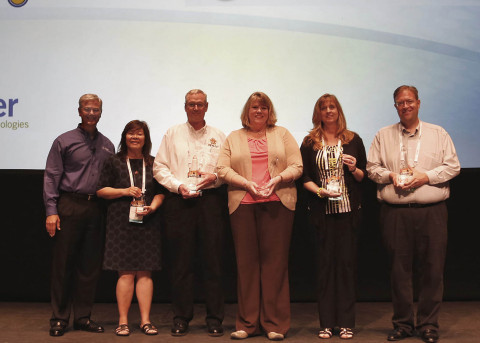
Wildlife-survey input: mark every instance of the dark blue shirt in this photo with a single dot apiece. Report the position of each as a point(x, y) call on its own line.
point(73, 165)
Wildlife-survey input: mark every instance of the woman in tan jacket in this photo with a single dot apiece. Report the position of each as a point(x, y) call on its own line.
point(260, 164)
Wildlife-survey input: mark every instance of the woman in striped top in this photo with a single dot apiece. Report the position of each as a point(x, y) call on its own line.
point(334, 162)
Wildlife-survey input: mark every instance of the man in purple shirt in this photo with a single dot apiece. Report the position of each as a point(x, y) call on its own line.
point(74, 217)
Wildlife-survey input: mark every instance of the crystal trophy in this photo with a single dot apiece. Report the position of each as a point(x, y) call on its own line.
point(193, 175)
point(405, 174)
point(335, 181)
point(263, 190)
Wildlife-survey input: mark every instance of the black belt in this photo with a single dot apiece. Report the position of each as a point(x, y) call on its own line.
point(413, 205)
point(88, 197)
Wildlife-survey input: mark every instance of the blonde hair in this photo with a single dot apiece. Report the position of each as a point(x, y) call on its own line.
point(264, 100)
point(195, 91)
point(89, 97)
point(315, 135)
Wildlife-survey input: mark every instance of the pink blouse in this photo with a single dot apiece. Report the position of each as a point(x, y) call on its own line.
point(260, 175)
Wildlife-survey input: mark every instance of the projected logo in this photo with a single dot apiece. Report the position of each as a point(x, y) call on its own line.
point(17, 3)
point(7, 112)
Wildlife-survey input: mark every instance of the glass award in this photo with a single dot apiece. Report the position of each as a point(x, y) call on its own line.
point(136, 206)
point(405, 174)
point(334, 182)
point(263, 190)
point(193, 175)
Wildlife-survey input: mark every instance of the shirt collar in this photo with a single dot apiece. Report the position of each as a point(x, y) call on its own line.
point(408, 133)
point(85, 133)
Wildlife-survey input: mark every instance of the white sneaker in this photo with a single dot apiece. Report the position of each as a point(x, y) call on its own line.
point(240, 334)
point(274, 336)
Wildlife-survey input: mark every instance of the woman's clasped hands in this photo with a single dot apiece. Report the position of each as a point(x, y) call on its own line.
point(263, 190)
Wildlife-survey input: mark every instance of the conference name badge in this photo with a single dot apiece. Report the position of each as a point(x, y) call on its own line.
point(136, 206)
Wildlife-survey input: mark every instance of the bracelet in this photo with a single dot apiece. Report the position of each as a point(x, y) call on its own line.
point(318, 192)
point(281, 178)
point(353, 171)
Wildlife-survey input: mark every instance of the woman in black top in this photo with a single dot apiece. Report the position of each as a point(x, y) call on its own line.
point(132, 244)
point(334, 163)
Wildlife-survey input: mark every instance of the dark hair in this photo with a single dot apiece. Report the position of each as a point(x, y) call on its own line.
point(147, 146)
point(412, 89)
point(314, 138)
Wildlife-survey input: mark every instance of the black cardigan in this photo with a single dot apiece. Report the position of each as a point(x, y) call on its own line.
point(310, 171)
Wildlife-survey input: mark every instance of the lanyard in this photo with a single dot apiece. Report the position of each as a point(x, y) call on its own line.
point(337, 152)
point(417, 150)
point(131, 175)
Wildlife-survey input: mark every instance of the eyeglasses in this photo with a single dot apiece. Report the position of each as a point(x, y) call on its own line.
point(91, 109)
point(192, 105)
point(406, 102)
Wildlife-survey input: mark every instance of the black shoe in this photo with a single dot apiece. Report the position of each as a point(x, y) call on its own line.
point(57, 329)
point(89, 326)
point(398, 334)
point(179, 328)
point(430, 336)
point(215, 330)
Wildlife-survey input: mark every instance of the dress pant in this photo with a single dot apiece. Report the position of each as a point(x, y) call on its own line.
point(261, 235)
point(336, 244)
point(416, 237)
point(77, 257)
point(195, 227)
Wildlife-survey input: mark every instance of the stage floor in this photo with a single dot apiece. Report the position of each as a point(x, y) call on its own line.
point(29, 322)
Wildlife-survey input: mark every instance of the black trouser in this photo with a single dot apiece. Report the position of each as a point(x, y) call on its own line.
point(195, 226)
point(416, 236)
point(77, 258)
point(336, 244)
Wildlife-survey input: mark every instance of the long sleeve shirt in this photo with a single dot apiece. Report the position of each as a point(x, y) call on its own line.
point(73, 165)
point(437, 158)
point(181, 146)
point(284, 159)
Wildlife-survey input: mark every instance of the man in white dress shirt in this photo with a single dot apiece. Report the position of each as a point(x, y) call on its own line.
point(194, 213)
point(412, 162)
